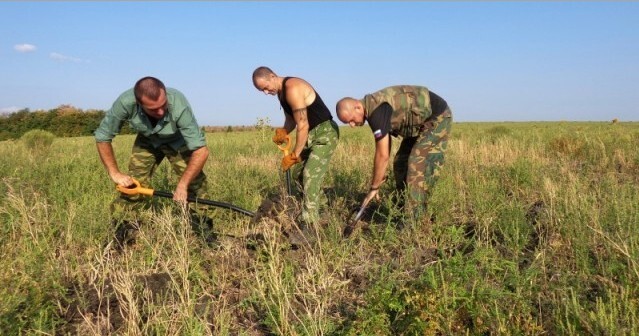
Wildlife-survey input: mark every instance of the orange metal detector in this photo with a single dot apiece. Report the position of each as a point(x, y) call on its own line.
point(136, 189)
point(287, 150)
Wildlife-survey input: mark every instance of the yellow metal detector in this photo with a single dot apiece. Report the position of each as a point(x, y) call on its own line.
point(136, 189)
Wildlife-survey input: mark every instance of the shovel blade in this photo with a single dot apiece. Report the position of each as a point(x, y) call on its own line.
point(350, 227)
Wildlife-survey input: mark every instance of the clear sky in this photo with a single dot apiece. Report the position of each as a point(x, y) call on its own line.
point(492, 61)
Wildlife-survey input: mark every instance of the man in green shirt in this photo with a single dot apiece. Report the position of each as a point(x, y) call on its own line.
point(423, 120)
point(166, 128)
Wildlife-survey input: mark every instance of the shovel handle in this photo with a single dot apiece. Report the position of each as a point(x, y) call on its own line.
point(135, 189)
point(286, 148)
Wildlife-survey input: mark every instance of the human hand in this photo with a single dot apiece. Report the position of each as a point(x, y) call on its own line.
point(289, 160)
point(372, 193)
point(122, 180)
point(180, 194)
point(280, 136)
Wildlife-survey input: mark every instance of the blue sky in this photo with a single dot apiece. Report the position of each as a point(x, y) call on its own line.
point(492, 61)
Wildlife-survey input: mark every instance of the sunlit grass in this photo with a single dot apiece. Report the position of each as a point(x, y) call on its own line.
point(533, 232)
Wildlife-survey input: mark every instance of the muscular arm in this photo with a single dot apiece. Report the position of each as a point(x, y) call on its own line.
point(193, 168)
point(296, 97)
point(105, 150)
point(302, 130)
point(289, 124)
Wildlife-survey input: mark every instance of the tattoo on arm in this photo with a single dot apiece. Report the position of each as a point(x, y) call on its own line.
point(301, 113)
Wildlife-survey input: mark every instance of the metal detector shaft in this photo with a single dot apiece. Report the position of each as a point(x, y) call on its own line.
point(136, 189)
point(207, 202)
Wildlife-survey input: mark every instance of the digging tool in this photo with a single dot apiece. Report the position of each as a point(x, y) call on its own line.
point(137, 189)
point(286, 148)
point(348, 230)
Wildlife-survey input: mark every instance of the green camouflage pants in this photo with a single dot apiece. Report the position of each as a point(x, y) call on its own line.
point(418, 162)
point(321, 143)
point(142, 164)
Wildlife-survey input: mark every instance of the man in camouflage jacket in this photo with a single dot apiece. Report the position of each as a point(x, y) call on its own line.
point(423, 120)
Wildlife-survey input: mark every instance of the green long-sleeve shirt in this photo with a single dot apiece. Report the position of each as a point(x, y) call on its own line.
point(177, 128)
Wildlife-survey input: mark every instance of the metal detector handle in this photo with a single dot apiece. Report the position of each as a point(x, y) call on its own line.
point(287, 146)
point(135, 189)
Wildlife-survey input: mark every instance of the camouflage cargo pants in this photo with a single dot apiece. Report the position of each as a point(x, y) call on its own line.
point(316, 156)
point(418, 163)
point(142, 164)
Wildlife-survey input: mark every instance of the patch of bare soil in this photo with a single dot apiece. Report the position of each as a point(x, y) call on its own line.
point(91, 306)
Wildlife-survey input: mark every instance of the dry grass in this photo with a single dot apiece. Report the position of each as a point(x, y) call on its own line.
point(532, 231)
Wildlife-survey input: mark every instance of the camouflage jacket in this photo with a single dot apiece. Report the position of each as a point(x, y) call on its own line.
point(411, 107)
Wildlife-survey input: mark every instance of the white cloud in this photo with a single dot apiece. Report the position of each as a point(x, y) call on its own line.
point(24, 48)
point(10, 109)
point(64, 58)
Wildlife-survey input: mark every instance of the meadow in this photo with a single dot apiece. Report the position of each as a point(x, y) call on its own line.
point(532, 230)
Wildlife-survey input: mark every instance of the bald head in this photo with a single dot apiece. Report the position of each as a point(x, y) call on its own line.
point(350, 111)
point(262, 73)
point(344, 109)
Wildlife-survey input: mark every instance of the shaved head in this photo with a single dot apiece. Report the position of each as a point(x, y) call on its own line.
point(263, 73)
point(344, 108)
point(350, 111)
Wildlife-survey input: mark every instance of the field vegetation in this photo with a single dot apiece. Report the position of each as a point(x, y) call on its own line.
point(531, 230)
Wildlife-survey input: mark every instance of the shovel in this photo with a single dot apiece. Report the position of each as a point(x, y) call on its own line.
point(286, 148)
point(348, 230)
point(136, 189)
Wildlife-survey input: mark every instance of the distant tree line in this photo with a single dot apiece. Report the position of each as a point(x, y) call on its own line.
point(68, 121)
point(63, 121)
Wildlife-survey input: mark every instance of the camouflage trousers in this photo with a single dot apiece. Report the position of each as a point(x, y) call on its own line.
point(316, 156)
point(142, 164)
point(418, 163)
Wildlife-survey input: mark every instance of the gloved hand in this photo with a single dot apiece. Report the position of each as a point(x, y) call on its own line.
point(280, 136)
point(289, 160)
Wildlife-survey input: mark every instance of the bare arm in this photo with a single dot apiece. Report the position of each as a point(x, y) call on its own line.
point(296, 98)
point(105, 150)
point(289, 124)
point(193, 168)
point(302, 130)
point(382, 154)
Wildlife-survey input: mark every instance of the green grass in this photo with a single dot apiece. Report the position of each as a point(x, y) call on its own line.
point(534, 233)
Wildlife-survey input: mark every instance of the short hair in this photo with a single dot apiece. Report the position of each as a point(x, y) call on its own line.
point(149, 87)
point(262, 72)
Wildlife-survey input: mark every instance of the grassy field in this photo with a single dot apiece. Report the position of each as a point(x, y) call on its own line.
point(533, 231)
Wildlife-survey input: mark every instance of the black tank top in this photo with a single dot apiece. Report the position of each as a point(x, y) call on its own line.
point(316, 113)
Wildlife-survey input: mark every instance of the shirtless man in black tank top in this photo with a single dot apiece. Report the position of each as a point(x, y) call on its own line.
point(317, 134)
